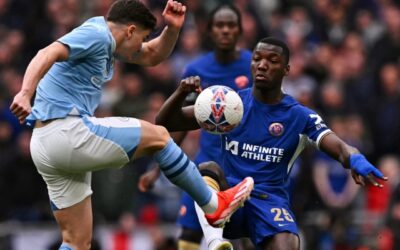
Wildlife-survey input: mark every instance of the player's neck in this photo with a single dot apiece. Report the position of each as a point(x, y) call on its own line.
point(226, 56)
point(268, 96)
point(116, 31)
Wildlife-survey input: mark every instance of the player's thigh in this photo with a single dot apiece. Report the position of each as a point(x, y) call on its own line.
point(152, 139)
point(282, 241)
point(266, 216)
point(77, 145)
point(76, 222)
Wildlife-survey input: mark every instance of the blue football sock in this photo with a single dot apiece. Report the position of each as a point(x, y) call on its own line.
point(177, 167)
point(65, 246)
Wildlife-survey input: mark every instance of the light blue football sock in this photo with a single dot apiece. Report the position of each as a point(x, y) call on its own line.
point(177, 167)
point(65, 246)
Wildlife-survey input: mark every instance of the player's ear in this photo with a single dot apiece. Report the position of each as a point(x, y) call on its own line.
point(287, 69)
point(130, 29)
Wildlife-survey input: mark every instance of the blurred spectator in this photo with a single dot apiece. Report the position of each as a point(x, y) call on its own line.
point(318, 64)
point(7, 157)
point(358, 84)
point(122, 238)
point(160, 78)
point(336, 24)
point(297, 83)
point(337, 191)
point(132, 101)
point(369, 28)
point(385, 107)
point(11, 44)
point(28, 200)
point(331, 100)
point(378, 200)
point(387, 48)
point(382, 204)
point(300, 23)
point(190, 48)
point(393, 217)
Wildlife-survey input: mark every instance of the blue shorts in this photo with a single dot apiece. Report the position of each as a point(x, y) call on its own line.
point(187, 214)
point(258, 219)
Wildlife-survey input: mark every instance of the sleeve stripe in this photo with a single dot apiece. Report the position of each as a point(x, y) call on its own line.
point(321, 136)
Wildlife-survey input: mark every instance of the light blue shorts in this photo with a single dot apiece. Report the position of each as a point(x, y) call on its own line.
point(66, 151)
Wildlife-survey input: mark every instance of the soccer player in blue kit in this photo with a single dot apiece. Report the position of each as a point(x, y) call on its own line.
point(68, 142)
point(274, 130)
point(226, 65)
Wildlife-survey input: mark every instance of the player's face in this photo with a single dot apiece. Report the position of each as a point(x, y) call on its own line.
point(134, 38)
point(268, 66)
point(225, 29)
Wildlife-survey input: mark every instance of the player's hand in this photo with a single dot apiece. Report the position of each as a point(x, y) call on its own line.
point(174, 14)
point(147, 180)
point(21, 106)
point(362, 169)
point(190, 84)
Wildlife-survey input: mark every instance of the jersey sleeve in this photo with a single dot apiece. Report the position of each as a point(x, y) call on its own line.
point(315, 128)
point(84, 41)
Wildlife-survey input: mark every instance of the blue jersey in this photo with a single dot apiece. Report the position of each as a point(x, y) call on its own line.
point(267, 142)
point(264, 146)
point(74, 86)
point(236, 75)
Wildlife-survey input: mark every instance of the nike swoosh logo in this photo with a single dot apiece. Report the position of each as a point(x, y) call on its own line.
point(282, 225)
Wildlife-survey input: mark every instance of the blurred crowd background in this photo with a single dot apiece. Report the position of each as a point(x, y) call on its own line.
point(345, 64)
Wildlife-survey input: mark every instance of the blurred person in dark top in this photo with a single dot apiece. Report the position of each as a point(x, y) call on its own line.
point(387, 47)
point(385, 105)
point(133, 101)
point(23, 205)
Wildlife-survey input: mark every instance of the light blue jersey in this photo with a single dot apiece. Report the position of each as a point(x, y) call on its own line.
point(73, 87)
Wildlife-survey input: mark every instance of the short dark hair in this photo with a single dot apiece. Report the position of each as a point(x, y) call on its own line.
point(131, 11)
point(224, 6)
point(279, 43)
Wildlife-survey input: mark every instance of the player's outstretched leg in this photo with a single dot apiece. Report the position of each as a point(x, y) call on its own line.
point(176, 166)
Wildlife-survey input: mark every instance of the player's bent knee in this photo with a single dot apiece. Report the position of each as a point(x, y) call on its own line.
point(160, 136)
point(210, 166)
point(154, 137)
point(211, 169)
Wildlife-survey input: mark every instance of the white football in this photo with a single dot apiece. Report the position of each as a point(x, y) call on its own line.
point(218, 109)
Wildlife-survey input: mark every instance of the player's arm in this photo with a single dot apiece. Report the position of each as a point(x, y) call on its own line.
point(37, 68)
point(159, 48)
point(351, 158)
point(175, 117)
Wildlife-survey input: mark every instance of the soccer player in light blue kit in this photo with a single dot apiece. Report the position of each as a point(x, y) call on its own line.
point(68, 142)
point(274, 130)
